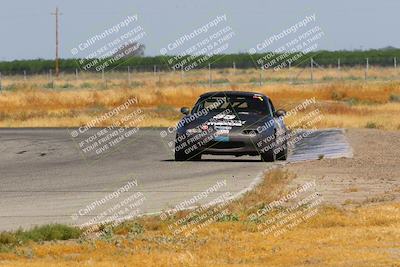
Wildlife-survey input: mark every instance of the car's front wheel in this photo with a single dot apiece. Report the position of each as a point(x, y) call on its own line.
point(268, 156)
point(283, 152)
point(182, 156)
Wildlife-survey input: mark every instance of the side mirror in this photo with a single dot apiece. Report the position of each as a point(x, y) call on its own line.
point(185, 110)
point(280, 113)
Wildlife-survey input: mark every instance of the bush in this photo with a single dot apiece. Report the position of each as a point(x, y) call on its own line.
point(49, 85)
point(7, 238)
point(48, 233)
point(11, 87)
point(130, 227)
point(338, 96)
point(66, 85)
point(371, 125)
point(229, 218)
point(39, 233)
point(86, 85)
point(394, 98)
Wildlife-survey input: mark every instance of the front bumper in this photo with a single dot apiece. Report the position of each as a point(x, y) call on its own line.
point(234, 143)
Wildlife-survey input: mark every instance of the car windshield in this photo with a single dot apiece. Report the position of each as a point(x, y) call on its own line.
point(238, 104)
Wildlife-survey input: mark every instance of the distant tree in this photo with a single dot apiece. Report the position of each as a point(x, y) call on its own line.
point(388, 48)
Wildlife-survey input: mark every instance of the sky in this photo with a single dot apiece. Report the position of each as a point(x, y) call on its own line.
point(27, 28)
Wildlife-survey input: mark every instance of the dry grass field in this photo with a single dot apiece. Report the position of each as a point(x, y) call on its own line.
point(363, 236)
point(344, 97)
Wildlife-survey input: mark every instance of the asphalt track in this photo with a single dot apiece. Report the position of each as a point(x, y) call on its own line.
point(46, 178)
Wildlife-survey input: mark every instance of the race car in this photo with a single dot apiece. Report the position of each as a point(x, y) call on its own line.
point(232, 123)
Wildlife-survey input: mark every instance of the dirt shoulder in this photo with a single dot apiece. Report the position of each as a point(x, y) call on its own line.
point(371, 176)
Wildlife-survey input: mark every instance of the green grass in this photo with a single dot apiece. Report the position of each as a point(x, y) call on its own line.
point(51, 232)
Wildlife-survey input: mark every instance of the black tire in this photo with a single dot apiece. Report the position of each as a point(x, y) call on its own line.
point(179, 156)
point(195, 157)
point(268, 156)
point(182, 156)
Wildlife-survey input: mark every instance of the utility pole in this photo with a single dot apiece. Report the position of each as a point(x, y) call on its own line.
point(312, 69)
point(57, 14)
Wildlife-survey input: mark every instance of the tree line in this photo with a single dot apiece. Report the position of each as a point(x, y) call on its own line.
point(382, 57)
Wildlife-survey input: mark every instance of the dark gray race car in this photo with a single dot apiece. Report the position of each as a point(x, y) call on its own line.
point(231, 123)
